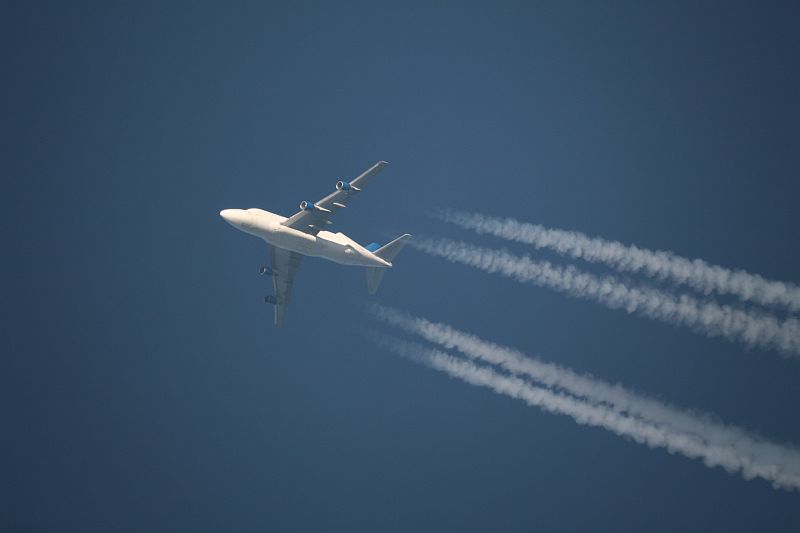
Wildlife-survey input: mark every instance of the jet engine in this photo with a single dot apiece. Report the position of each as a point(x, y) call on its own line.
point(270, 299)
point(266, 270)
point(310, 206)
point(345, 186)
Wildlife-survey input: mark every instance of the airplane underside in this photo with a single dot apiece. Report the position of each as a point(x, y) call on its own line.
point(291, 239)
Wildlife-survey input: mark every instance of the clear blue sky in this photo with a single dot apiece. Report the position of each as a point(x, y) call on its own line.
point(145, 388)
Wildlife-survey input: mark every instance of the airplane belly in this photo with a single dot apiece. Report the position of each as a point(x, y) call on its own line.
point(314, 246)
point(335, 252)
point(342, 257)
point(295, 245)
point(289, 239)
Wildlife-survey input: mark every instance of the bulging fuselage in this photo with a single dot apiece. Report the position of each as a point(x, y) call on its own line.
point(336, 247)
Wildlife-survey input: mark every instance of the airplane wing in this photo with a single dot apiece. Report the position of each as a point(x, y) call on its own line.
point(313, 218)
point(284, 264)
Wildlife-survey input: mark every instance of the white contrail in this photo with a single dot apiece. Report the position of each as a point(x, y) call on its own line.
point(597, 392)
point(751, 327)
point(639, 430)
point(662, 265)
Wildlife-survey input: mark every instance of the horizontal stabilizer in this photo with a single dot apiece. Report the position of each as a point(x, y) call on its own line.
point(374, 277)
point(387, 252)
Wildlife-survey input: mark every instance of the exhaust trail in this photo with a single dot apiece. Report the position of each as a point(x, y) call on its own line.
point(658, 264)
point(755, 329)
point(584, 413)
point(596, 392)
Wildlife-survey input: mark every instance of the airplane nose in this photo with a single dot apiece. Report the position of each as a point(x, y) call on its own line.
point(232, 216)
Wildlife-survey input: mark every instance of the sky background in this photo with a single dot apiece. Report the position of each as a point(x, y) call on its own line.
point(144, 386)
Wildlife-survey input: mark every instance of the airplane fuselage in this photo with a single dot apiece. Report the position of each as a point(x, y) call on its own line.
point(336, 247)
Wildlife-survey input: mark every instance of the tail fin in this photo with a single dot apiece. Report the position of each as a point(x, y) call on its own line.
point(387, 252)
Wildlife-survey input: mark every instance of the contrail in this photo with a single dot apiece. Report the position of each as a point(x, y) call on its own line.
point(641, 431)
point(755, 329)
point(596, 392)
point(662, 265)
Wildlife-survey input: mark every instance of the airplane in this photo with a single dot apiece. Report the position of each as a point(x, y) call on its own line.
point(302, 234)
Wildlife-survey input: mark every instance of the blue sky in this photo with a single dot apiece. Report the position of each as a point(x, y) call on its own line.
point(146, 388)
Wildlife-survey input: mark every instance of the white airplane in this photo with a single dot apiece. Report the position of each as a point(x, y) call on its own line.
point(289, 239)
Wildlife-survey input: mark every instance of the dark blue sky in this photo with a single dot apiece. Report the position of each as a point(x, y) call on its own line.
point(145, 387)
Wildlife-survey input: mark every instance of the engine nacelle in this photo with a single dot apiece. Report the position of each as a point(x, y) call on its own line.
point(271, 300)
point(345, 186)
point(265, 270)
point(310, 206)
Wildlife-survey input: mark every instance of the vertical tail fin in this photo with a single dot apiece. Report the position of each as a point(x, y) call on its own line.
point(387, 252)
